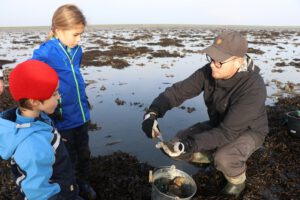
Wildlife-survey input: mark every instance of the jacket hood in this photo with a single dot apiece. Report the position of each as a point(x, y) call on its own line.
point(13, 133)
point(250, 65)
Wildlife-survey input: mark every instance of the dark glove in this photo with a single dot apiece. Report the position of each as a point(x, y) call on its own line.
point(150, 125)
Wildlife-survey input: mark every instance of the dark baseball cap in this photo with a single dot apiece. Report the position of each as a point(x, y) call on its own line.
point(226, 45)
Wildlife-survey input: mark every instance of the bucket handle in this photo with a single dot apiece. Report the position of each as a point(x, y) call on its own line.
point(151, 176)
point(172, 167)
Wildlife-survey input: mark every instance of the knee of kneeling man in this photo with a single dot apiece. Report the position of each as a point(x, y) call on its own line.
point(221, 161)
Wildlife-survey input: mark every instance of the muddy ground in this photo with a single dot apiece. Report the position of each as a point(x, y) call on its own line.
point(273, 171)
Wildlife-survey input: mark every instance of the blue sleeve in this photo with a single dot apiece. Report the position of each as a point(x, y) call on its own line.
point(36, 165)
point(40, 54)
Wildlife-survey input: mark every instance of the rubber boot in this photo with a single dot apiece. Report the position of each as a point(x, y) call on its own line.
point(201, 158)
point(235, 185)
point(87, 192)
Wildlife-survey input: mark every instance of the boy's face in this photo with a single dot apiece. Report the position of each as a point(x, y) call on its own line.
point(70, 37)
point(48, 106)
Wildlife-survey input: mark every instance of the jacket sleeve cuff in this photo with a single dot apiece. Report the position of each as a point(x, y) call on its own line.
point(189, 144)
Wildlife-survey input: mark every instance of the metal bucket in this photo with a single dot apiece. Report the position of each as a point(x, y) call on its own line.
point(293, 122)
point(170, 183)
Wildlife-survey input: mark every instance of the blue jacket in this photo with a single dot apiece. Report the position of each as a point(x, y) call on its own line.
point(40, 161)
point(75, 109)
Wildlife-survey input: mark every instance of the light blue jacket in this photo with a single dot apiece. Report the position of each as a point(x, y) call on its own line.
point(27, 142)
point(75, 108)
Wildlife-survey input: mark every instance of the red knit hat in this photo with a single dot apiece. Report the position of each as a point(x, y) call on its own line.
point(32, 79)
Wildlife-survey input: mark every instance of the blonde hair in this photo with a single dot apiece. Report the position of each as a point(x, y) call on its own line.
point(65, 18)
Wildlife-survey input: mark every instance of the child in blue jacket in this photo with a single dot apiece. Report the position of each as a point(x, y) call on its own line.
point(63, 54)
point(40, 161)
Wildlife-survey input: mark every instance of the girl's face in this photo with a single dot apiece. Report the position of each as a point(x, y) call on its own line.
point(70, 37)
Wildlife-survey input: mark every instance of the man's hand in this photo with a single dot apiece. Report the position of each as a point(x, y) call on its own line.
point(150, 125)
point(1, 86)
point(171, 149)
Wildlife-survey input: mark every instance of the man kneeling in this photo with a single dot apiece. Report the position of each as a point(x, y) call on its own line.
point(235, 95)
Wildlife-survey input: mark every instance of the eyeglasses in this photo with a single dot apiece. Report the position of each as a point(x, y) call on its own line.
point(217, 64)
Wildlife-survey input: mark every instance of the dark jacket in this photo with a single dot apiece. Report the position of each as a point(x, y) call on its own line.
point(40, 161)
point(234, 105)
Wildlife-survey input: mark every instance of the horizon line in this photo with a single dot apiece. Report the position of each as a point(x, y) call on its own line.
point(203, 25)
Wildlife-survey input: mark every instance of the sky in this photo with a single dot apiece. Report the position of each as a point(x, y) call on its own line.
point(200, 12)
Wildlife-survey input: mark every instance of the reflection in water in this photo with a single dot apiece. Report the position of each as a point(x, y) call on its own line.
point(123, 122)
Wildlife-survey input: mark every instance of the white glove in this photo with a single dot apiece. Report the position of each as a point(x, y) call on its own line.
point(155, 130)
point(150, 125)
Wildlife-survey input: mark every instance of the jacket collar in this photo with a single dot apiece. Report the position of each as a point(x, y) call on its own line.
point(246, 70)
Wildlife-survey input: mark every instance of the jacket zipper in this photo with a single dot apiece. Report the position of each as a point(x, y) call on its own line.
point(76, 82)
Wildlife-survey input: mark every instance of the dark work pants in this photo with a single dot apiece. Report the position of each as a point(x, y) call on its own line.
point(77, 143)
point(231, 158)
point(67, 194)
